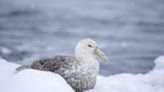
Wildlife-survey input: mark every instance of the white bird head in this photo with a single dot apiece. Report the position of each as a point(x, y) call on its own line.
point(88, 48)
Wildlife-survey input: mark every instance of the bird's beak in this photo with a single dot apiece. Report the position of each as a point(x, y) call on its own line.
point(100, 55)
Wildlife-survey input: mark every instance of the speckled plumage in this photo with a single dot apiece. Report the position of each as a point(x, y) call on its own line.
point(70, 69)
point(79, 71)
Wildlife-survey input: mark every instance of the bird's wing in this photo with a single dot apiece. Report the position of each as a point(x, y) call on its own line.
point(58, 63)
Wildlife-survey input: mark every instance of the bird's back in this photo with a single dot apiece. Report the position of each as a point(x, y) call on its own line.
point(55, 64)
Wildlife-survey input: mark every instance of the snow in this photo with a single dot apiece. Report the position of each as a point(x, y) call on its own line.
point(159, 63)
point(6, 72)
point(30, 80)
point(39, 81)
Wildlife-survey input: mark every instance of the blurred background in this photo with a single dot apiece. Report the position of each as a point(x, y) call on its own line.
point(130, 32)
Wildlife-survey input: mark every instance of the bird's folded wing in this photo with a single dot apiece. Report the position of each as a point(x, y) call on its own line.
point(53, 64)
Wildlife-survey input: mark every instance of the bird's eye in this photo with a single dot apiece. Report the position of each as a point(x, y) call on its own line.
point(89, 45)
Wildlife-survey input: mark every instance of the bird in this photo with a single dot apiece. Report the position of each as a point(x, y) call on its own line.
point(79, 70)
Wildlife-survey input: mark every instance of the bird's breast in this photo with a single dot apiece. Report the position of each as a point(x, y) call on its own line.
point(81, 78)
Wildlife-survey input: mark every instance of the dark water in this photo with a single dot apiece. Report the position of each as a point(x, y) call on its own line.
point(130, 32)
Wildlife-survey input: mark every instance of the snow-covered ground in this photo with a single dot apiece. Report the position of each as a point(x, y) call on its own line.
point(39, 81)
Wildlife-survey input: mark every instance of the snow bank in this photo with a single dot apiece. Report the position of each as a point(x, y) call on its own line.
point(6, 72)
point(30, 80)
point(159, 62)
point(150, 82)
point(39, 81)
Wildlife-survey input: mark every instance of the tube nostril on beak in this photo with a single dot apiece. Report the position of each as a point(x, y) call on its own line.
point(101, 56)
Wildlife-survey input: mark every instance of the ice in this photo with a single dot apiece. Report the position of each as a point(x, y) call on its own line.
point(40, 81)
point(29, 80)
point(37, 81)
point(6, 72)
point(159, 63)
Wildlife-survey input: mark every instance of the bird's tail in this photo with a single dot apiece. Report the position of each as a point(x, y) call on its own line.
point(22, 68)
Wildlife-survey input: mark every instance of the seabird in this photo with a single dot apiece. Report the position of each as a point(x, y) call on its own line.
point(79, 71)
